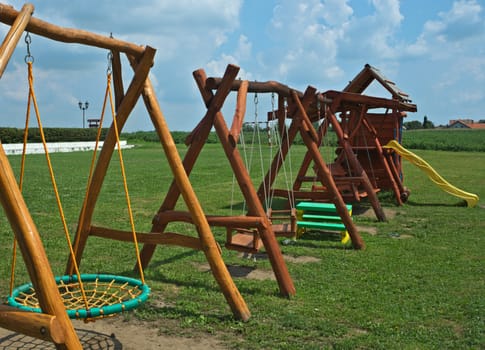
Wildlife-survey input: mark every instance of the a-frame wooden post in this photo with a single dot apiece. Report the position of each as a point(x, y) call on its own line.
point(301, 123)
point(310, 139)
point(256, 213)
point(142, 59)
point(52, 324)
point(354, 162)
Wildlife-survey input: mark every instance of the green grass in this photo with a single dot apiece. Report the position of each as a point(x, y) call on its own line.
point(472, 140)
point(419, 284)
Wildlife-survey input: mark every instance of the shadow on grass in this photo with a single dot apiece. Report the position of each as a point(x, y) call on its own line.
point(185, 280)
point(449, 205)
point(89, 340)
point(314, 238)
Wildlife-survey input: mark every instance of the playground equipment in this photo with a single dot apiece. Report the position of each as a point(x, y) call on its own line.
point(85, 296)
point(255, 227)
point(292, 105)
point(361, 167)
point(321, 216)
point(470, 198)
point(52, 322)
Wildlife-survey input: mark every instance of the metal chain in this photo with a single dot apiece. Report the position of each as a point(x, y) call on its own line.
point(28, 40)
point(110, 63)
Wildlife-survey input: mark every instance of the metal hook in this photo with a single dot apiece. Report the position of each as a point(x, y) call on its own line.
point(28, 40)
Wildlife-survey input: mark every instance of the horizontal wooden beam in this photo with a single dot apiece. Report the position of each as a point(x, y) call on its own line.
point(369, 101)
point(213, 220)
point(69, 35)
point(14, 34)
point(166, 238)
point(36, 325)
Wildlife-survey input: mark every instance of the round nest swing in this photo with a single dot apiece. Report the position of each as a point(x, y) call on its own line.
point(104, 295)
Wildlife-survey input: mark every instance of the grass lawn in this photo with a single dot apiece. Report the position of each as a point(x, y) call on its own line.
point(420, 284)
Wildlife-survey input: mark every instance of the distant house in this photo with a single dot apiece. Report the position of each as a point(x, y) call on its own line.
point(465, 124)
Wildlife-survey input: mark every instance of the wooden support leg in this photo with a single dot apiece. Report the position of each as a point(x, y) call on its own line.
point(210, 247)
point(255, 207)
point(385, 161)
point(13, 36)
point(33, 252)
point(324, 173)
point(355, 164)
point(127, 104)
point(27, 235)
point(36, 325)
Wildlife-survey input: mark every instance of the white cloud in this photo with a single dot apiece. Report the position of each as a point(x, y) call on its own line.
point(453, 32)
point(306, 42)
point(310, 31)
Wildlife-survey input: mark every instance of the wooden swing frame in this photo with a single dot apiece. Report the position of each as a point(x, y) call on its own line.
point(53, 324)
point(256, 223)
point(298, 104)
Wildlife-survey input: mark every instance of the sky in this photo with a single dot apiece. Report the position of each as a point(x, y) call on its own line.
point(434, 50)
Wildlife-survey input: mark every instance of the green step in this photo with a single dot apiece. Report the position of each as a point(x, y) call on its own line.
point(321, 225)
point(316, 217)
point(320, 207)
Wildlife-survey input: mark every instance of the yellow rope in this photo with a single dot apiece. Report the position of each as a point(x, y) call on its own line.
point(91, 168)
point(109, 94)
point(21, 181)
point(125, 186)
point(83, 297)
point(53, 180)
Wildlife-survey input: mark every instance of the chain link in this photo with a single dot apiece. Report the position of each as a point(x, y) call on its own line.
point(28, 40)
point(110, 62)
point(256, 101)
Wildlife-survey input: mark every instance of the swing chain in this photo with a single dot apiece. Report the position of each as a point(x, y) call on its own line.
point(110, 62)
point(285, 104)
point(110, 58)
point(28, 58)
point(256, 101)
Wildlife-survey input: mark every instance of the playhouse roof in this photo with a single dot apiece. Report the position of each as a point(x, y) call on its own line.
point(367, 76)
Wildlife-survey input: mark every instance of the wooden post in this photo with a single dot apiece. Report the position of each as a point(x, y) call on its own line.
point(237, 120)
point(14, 34)
point(255, 208)
point(196, 142)
point(287, 136)
point(33, 252)
point(354, 162)
point(33, 324)
point(325, 175)
point(383, 159)
point(128, 103)
point(210, 247)
point(119, 90)
point(26, 234)
point(68, 35)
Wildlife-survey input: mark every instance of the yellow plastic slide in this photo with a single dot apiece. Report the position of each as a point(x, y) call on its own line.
point(471, 199)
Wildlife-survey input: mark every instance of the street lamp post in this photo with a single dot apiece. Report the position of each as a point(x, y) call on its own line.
point(83, 107)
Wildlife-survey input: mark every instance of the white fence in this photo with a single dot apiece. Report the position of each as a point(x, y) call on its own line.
point(16, 148)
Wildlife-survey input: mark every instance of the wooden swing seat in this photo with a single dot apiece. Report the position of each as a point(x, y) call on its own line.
point(283, 222)
point(243, 240)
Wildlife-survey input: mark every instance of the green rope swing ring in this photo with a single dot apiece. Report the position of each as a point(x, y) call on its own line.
point(105, 295)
